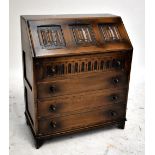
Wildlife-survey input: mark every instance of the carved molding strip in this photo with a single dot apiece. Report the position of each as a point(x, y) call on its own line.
point(87, 65)
point(51, 37)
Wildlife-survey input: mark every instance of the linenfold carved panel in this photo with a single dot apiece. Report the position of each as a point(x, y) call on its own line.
point(109, 32)
point(83, 34)
point(51, 36)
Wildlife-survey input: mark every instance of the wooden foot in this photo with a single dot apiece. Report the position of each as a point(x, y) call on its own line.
point(38, 143)
point(121, 125)
point(27, 122)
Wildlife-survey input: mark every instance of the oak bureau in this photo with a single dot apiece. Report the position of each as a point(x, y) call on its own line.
point(76, 71)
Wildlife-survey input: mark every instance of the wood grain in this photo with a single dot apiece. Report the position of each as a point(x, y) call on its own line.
point(76, 72)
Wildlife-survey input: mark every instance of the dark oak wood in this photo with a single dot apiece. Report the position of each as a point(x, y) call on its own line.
point(76, 72)
point(112, 80)
point(60, 106)
point(89, 118)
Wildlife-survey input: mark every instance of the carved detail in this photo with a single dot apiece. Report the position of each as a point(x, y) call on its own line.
point(51, 37)
point(109, 32)
point(83, 34)
point(84, 65)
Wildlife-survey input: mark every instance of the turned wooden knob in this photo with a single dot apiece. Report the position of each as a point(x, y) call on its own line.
point(118, 63)
point(52, 108)
point(113, 113)
point(115, 80)
point(53, 124)
point(52, 89)
point(114, 97)
point(53, 70)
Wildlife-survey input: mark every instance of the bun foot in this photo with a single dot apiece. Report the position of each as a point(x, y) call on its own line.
point(121, 125)
point(38, 143)
point(27, 122)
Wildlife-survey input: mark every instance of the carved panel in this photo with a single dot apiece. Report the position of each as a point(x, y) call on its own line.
point(109, 32)
point(83, 34)
point(51, 37)
point(77, 66)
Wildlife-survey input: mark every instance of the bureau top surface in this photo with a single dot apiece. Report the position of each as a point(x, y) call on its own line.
point(59, 35)
point(66, 16)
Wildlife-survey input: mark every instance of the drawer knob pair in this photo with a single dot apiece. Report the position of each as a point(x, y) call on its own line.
point(52, 108)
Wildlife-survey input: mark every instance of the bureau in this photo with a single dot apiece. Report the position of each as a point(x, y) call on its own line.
point(76, 71)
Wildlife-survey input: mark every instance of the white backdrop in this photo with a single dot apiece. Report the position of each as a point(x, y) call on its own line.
point(131, 11)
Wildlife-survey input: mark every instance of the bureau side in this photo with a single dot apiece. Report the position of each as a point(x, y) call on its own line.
point(28, 75)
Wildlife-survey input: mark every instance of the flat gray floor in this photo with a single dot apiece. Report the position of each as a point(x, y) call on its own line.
point(108, 141)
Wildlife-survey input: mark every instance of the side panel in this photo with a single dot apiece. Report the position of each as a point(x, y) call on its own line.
point(28, 73)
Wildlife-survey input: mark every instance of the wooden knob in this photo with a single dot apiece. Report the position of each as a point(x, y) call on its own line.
point(115, 80)
point(113, 113)
point(53, 124)
point(52, 108)
point(114, 97)
point(52, 89)
point(118, 63)
point(53, 70)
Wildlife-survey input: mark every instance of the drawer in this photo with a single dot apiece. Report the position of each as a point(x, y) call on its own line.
point(73, 104)
point(106, 80)
point(81, 120)
point(61, 67)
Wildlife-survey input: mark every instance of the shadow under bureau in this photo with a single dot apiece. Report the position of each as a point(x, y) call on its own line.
point(76, 71)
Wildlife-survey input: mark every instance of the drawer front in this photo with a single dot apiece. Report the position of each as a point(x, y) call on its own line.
point(60, 67)
point(62, 106)
point(81, 120)
point(109, 80)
